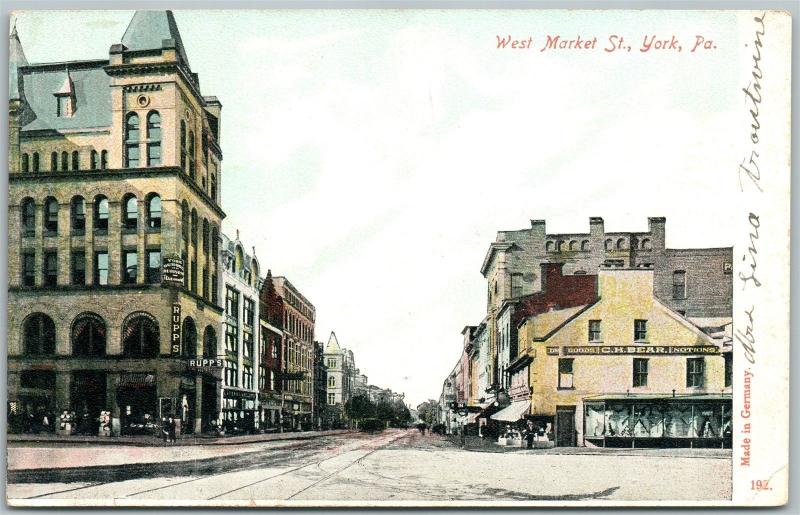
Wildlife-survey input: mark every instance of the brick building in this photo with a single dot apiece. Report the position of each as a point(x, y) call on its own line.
point(114, 166)
point(270, 370)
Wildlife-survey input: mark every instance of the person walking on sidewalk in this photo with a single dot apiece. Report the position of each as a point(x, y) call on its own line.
point(173, 422)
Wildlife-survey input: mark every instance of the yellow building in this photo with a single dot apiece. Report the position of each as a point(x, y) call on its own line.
point(625, 370)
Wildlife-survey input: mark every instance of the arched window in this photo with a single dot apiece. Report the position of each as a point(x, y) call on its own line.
point(185, 221)
point(130, 212)
point(191, 155)
point(194, 227)
point(64, 161)
point(646, 244)
point(88, 335)
point(205, 236)
point(76, 161)
point(550, 246)
point(39, 335)
point(238, 263)
point(140, 336)
point(561, 245)
point(254, 273)
point(78, 215)
point(93, 160)
point(573, 245)
point(28, 217)
point(585, 245)
point(620, 243)
point(132, 140)
point(154, 211)
point(183, 146)
point(214, 187)
point(36, 161)
point(53, 161)
point(51, 216)
point(210, 343)
point(154, 139)
point(189, 344)
point(609, 244)
point(104, 159)
point(101, 214)
point(25, 163)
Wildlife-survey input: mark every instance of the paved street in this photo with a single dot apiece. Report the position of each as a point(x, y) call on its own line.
point(395, 466)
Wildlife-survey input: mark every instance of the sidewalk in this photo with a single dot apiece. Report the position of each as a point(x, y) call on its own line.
point(17, 440)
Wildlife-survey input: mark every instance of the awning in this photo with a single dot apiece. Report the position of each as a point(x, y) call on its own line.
point(513, 412)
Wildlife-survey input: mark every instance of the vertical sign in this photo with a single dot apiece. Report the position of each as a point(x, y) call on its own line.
point(175, 342)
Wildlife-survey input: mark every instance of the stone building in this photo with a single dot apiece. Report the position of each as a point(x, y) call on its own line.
point(114, 168)
point(298, 342)
point(241, 329)
point(334, 363)
point(271, 351)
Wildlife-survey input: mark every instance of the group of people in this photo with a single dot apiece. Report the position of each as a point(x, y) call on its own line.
point(169, 429)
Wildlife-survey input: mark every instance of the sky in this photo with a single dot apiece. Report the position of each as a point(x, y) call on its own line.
point(371, 156)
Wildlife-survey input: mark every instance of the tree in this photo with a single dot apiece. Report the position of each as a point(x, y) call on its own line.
point(359, 407)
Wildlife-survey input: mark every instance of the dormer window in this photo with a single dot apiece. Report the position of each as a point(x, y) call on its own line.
point(64, 106)
point(65, 98)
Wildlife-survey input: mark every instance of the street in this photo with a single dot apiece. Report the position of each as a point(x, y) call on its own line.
point(396, 466)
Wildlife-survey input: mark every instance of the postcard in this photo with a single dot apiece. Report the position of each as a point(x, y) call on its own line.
point(434, 258)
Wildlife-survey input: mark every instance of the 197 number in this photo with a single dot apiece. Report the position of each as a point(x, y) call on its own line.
point(759, 484)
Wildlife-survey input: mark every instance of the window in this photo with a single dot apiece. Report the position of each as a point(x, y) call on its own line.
point(154, 137)
point(191, 155)
point(679, 284)
point(214, 187)
point(247, 341)
point(516, 285)
point(331, 398)
point(183, 146)
point(130, 214)
point(93, 158)
point(101, 214)
point(247, 377)
point(206, 288)
point(565, 373)
point(140, 337)
point(608, 244)
point(262, 378)
point(249, 311)
point(39, 335)
point(274, 348)
point(153, 266)
point(25, 163)
point(331, 382)
point(101, 268)
point(75, 160)
point(78, 267)
point(231, 338)
point(189, 344)
point(214, 243)
point(594, 331)
point(728, 356)
point(193, 271)
point(28, 217)
point(621, 244)
point(53, 161)
point(28, 269)
point(205, 236)
point(78, 215)
point(154, 212)
point(51, 216)
point(210, 343)
point(62, 105)
point(639, 372)
point(50, 268)
point(89, 336)
point(194, 227)
point(695, 372)
point(585, 245)
point(231, 373)
point(214, 295)
point(132, 141)
point(185, 222)
point(64, 161)
point(104, 159)
point(232, 303)
point(640, 330)
point(36, 161)
point(131, 259)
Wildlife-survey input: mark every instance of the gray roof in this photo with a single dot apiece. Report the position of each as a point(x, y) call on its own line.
point(148, 30)
point(16, 58)
point(91, 89)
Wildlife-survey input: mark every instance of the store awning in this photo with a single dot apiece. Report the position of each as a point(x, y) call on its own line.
point(513, 412)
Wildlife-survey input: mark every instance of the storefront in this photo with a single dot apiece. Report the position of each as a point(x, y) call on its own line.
point(702, 420)
point(138, 403)
point(88, 398)
point(238, 411)
point(34, 409)
point(269, 412)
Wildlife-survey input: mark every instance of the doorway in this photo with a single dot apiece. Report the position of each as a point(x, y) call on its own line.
point(565, 426)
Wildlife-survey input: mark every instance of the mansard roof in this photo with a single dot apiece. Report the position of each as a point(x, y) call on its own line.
point(16, 58)
point(154, 30)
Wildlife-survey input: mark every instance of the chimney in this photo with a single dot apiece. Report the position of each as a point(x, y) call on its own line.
point(538, 229)
point(596, 227)
point(551, 273)
point(657, 228)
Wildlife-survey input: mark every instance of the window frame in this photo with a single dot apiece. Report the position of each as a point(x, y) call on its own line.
point(640, 333)
point(563, 373)
point(640, 373)
point(695, 376)
point(595, 332)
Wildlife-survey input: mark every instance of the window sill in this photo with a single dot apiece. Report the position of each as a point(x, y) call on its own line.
point(129, 230)
point(151, 230)
point(596, 341)
point(641, 341)
point(565, 388)
point(78, 233)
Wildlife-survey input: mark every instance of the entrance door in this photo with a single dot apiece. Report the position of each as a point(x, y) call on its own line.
point(565, 426)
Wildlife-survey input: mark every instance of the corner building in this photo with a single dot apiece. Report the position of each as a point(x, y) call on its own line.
point(114, 165)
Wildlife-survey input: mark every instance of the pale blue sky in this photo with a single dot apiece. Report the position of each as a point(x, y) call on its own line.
point(371, 156)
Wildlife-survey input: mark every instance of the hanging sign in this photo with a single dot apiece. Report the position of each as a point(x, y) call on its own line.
point(175, 323)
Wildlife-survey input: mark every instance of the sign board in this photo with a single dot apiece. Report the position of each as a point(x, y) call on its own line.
point(202, 363)
point(552, 351)
point(172, 271)
point(175, 323)
point(606, 350)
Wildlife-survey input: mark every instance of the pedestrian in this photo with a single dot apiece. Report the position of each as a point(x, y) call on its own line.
point(530, 432)
point(173, 422)
point(463, 437)
point(165, 429)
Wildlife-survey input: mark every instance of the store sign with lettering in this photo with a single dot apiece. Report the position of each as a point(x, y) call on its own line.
point(205, 363)
point(552, 351)
point(172, 272)
point(611, 350)
point(175, 323)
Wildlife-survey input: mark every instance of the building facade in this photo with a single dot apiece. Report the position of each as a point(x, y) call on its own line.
point(271, 352)
point(114, 169)
point(320, 388)
point(241, 326)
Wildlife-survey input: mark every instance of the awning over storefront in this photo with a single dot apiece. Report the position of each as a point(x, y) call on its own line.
point(513, 412)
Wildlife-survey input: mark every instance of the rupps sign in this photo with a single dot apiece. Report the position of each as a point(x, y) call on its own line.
point(611, 350)
point(205, 363)
point(175, 323)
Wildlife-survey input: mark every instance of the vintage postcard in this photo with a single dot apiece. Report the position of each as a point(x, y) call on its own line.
point(398, 258)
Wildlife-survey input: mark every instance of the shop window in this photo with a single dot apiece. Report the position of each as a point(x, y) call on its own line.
point(189, 344)
point(50, 268)
point(679, 284)
point(154, 211)
point(101, 268)
point(78, 267)
point(35, 161)
point(50, 217)
point(565, 374)
point(28, 268)
point(695, 372)
point(39, 335)
point(89, 335)
point(648, 421)
point(153, 266)
point(78, 215)
point(101, 214)
point(130, 212)
point(140, 336)
point(640, 330)
point(28, 217)
point(594, 331)
point(210, 343)
point(38, 379)
point(640, 369)
point(728, 356)
point(131, 260)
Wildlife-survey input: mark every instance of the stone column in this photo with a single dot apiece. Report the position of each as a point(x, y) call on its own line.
point(198, 404)
point(89, 241)
point(64, 242)
point(112, 383)
point(141, 225)
point(115, 264)
point(63, 384)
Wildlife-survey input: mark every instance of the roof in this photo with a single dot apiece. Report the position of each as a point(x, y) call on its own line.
point(16, 58)
point(332, 347)
point(154, 30)
point(91, 93)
